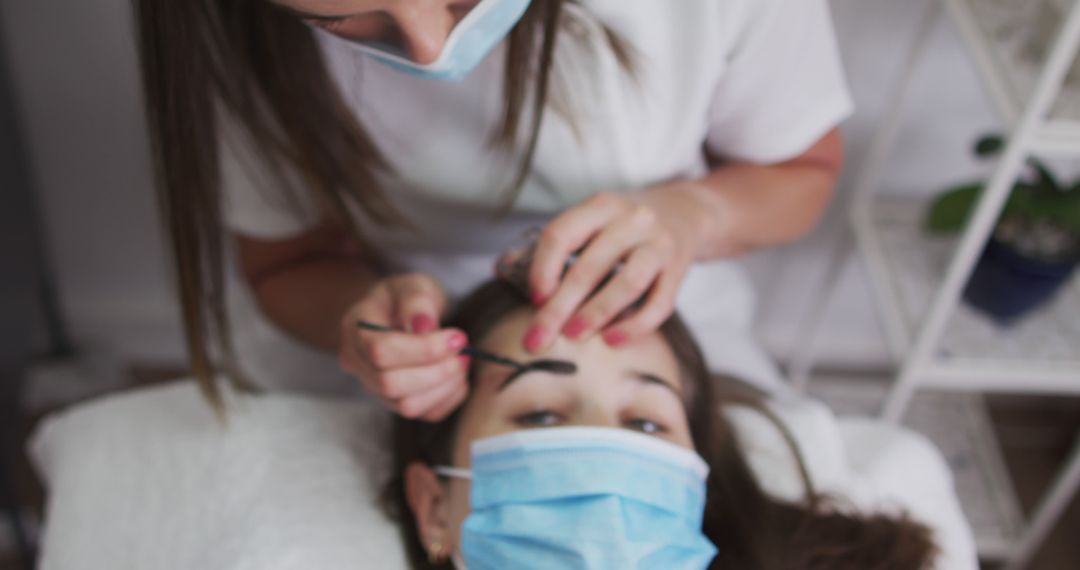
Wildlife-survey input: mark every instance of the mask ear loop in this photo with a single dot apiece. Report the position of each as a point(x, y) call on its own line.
point(453, 472)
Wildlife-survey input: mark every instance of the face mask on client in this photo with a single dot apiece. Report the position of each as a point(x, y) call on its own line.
point(467, 45)
point(584, 498)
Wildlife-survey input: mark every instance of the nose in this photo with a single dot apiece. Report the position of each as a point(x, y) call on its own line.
point(424, 26)
point(596, 414)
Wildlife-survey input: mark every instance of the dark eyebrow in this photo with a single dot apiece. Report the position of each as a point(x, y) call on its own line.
point(537, 366)
point(654, 379)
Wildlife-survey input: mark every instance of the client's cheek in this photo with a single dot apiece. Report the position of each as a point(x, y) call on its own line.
point(459, 510)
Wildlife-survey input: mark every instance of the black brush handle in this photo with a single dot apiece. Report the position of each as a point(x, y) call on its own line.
point(489, 357)
point(467, 351)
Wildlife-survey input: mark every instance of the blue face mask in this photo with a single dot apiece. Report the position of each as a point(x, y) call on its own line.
point(467, 45)
point(584, 498)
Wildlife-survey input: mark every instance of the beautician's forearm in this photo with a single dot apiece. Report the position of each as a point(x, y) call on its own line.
point(307, 300)
point(740, 207)
point(761, 206)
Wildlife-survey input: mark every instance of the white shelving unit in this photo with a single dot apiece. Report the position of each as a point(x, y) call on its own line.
point(973, 352)
point(918, 280)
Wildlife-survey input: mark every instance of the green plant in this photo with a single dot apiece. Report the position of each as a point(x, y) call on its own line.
point(1041, 218)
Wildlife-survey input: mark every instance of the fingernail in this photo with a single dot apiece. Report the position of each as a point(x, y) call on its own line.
point(423, 324)
point(538, 299)
point(615, 338)
point(575, 327)
point(458, 341)
point(465, 361)
point(534, 339)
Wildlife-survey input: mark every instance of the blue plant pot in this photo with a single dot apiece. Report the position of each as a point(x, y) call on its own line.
point(1005, 285)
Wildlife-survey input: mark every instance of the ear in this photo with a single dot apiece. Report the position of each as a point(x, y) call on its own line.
point(427, 499)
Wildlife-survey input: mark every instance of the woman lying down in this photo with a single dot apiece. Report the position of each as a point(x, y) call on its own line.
point(611, 458)
point(627, 462)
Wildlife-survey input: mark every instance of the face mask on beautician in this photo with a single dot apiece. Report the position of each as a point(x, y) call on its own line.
point(583, 498)
point(468, 44)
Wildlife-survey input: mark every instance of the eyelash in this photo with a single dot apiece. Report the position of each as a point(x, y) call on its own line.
point(657, 428)
point(547, 418)
point(538, 418)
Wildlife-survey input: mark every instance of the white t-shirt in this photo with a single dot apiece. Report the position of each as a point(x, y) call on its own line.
point(750, 80)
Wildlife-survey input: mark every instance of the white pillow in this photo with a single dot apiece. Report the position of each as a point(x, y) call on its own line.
point(150, 479)
point(869, 464)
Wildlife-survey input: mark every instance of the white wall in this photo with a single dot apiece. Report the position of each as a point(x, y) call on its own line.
point(946, 111)
point(75, 72)
point(74, 67)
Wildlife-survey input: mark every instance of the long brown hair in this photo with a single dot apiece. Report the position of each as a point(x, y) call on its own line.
point(206, 63)
point(750, 529)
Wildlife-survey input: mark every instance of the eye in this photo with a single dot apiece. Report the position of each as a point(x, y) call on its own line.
point(540, 418)
point(645, 426)
point(328, 24)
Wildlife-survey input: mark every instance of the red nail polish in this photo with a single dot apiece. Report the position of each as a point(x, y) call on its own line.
point(615, 338)
point(534, 338)
point(538, 299)
point(423, 324)
point(575, 327)
point(458, 341)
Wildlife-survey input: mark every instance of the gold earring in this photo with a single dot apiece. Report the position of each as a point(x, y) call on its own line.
point(435, 553)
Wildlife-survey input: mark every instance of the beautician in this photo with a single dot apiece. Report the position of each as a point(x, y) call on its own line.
point(370, 159)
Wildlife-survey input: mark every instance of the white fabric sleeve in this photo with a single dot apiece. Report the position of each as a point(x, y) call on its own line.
point(875, 466)
point(255, 203)
point(784, 86)
point(904, 468)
